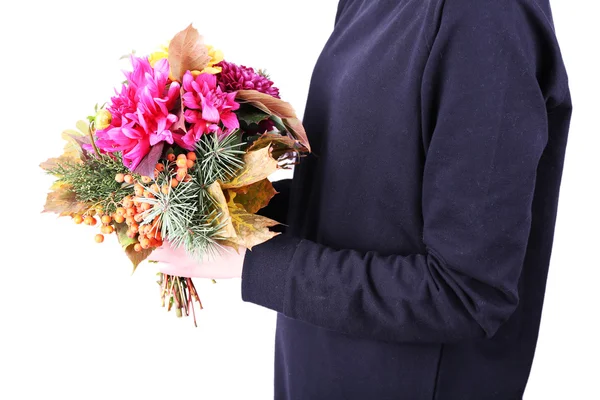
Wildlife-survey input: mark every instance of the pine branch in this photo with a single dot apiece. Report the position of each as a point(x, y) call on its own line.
point(219, 159)
point(174, 209)
point(186, 215)
point(93, 181)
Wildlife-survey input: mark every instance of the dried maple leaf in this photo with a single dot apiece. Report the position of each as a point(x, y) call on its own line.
point(255, 196)
point(187, 52)
point(63, 201)
point(222, 209)
point(251, 229)
point(73, 151)
point(258, 165)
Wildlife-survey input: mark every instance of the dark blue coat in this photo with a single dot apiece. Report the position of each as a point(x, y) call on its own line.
point(421, 227)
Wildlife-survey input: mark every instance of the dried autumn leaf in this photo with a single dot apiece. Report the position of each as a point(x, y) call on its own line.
point(255, 196)
point(121, 231)
point(128, 244)
point(224, 218)
point(266, 103)
point(136, 257)
point(279, 108)
point(148, 163)
point(179, 125)
point(281, 144)
point(56, 185)
point(258, 165)
point(251, 229)
point(296, 130)
point(63, 201)
point(73, 150)
point(276, 139)
point(77, 138)
point(187, 52)
point(51, 163)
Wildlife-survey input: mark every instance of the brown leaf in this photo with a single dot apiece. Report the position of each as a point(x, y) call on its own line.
point(296, 130)
point(187, 52)
point(266, 103)
point(218, 196)
point(128, 244)
point(258, 165)
point(53, 162)
point(137, 257)
point(73, 151)
point(251, 229)
point(274, 138)
point(179, 125)
point(76, 139)
point(278, 107)
point(255, 196)
point(148, 163)
point(63, 201)
point(281, 144)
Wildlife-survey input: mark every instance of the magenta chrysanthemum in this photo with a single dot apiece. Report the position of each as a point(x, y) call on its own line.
point(206, 105)
point(235, 77)
point(140, 112)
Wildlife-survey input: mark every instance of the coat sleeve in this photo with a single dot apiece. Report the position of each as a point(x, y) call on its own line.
point(486, 131)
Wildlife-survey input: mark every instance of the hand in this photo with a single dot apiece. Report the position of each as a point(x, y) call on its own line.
point(226, 264)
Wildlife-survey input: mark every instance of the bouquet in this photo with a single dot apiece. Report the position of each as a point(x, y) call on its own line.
point(181, 153)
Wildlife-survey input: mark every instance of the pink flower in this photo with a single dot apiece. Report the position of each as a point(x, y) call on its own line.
point(140, 112)
point(206, 107)
point(235, 77)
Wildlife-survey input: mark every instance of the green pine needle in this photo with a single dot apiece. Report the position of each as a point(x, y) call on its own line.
point(93, 181)
point(219, 159)
point(175, 209)
point(186, 215)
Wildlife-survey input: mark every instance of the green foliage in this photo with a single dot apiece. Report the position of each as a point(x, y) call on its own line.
point(219, 159)
point(200, 239)
point(93, 181)
point(174, 210)
point(250, 115)
point(264, 73)
point(186, 216)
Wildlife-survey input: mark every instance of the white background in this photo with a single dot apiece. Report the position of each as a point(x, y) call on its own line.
point(76, 325)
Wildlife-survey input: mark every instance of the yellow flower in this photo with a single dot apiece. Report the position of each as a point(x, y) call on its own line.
point(158, 55)
point(216, 56)
point(102, 119)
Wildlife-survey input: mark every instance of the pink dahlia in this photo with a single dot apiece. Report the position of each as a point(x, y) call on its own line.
point(206, 105)
point(140, 112)
point(235, 77)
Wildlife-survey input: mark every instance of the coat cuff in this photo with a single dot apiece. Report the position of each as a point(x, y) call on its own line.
point(265, 271)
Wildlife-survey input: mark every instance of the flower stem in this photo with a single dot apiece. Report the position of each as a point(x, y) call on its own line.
point(181, 293)
point(91, 132)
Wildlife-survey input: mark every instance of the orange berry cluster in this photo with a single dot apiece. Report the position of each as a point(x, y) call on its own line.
point(180, 166)
point(90, 219)
point(147, 235)
point(131, 212)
